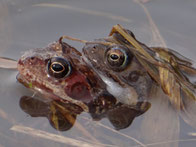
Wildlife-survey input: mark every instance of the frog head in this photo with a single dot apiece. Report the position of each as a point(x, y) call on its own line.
point(117, 65)
point(58, 72)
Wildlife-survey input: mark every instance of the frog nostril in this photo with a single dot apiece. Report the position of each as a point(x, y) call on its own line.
point(94, 48)
point(20, 62)
point(32, 58)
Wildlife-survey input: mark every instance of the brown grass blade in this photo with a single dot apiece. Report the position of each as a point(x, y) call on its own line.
point(50, 136)
point(8, 63)
point(167, 79)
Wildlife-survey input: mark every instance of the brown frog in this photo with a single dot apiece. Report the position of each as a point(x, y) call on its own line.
point(123, 74)
point(115, 60)
point(45, 70)
point(59, 73)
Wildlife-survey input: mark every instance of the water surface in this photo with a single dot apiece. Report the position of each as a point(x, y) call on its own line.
point(26, 24)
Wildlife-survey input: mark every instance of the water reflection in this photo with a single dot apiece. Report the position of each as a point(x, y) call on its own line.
point(62, 114)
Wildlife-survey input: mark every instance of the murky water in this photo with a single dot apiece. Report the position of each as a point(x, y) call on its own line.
point(26, 24)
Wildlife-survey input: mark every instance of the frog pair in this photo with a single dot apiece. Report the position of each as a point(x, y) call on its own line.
point(60, 73)
point(109, 75)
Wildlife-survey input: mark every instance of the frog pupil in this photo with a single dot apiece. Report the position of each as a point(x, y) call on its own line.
point(57, 67)
point(114, 57)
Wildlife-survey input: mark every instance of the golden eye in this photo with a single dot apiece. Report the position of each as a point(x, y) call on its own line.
point(118, 57)
point(58, 67)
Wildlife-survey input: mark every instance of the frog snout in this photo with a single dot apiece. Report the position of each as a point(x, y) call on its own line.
point(20, 65)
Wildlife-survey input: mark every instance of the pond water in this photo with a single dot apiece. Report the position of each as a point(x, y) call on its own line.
point(26, 24)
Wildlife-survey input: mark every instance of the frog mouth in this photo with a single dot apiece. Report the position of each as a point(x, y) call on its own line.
point(23, 81)
point(29, 80)
point(37, 87)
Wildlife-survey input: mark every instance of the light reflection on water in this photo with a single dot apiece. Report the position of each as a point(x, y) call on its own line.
point(23, 26)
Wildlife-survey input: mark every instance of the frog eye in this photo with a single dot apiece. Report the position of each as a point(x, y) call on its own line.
point(117, 57)
point(58, 67)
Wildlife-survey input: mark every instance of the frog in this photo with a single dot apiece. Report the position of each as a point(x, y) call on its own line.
point(123, 74)
point(58, 72)
point(43, 70)
point(116, 62)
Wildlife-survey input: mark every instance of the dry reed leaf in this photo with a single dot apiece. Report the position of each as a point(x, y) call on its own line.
point(50, 136)
point(167, 79)
point(171, 82)
point(8, 63)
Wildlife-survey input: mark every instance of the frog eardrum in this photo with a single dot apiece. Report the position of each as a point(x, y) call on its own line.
point(118, 57)
point(58, 67)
